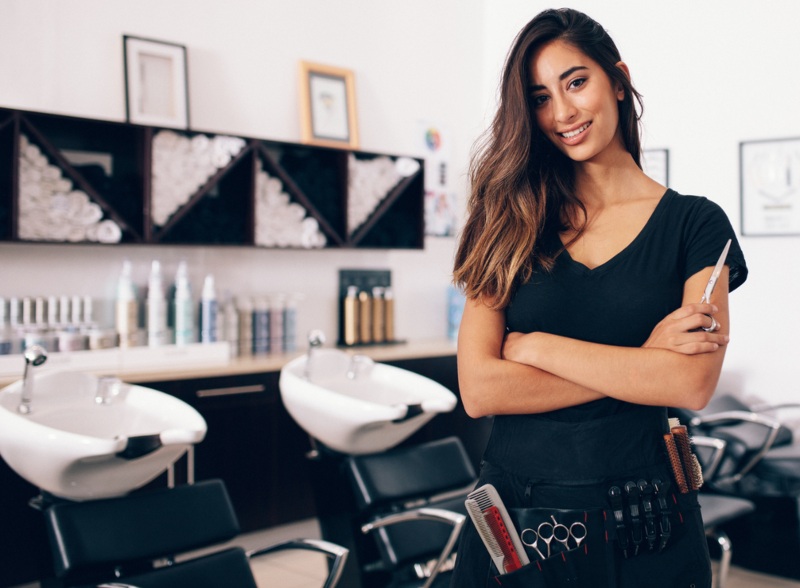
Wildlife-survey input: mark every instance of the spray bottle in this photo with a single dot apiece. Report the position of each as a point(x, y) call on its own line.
point(157, 333)
point(127, 308)
point(208, 311)
point(183, 307)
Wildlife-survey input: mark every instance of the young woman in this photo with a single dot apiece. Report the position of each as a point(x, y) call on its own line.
point(584, 280)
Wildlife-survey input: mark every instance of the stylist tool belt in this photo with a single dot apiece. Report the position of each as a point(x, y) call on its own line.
point(533, 547)
point(641, 525)
point(642, 509)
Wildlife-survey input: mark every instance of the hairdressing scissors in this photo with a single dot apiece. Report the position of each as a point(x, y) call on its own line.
point(712, 281)
point(548, 531)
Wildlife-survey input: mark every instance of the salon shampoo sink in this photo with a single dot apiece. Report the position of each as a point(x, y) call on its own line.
point(355, 406)
point(84, 439)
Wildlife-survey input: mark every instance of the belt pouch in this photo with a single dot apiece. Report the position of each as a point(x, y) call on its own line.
point(588, 564)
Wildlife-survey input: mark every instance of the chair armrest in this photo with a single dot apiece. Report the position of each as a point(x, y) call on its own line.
point(430, 514)
point(337, 553)
point(718, 446)
point(771, 407)
point(730, 417)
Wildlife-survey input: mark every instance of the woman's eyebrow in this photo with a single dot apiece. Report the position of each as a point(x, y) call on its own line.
point(562, 77)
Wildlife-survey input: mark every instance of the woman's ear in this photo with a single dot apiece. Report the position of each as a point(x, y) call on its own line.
point(620, 90)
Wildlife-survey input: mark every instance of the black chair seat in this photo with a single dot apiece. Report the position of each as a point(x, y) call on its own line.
point(718, 509)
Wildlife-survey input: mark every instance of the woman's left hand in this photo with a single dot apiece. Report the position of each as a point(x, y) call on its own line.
point(692, 329)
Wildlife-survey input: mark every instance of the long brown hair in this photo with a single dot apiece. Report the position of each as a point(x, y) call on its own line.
point(521, 184)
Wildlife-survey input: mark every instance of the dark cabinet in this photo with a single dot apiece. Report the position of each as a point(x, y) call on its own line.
point(67, 179)
point(252, 444)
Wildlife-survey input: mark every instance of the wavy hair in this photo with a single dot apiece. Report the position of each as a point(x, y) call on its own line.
point(521, 184)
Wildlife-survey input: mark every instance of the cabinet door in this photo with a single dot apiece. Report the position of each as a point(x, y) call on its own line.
point(253, 445)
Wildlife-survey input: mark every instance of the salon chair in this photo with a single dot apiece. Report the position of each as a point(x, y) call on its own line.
point(411, 500)
point(142, 540)
point(760, 456)
point(718, 509)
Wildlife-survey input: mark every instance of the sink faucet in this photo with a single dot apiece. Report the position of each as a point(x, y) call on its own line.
point(35, 355)
point(316, 339)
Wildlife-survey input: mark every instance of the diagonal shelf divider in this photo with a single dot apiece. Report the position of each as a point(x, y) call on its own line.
point(298, 194)
point(197, 196)
point(383, 207)
point(76, 177)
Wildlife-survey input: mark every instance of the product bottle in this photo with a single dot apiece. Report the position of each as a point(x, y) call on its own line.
point(183, 307)
point(350, 316)
point(245, 308)
point(127, 308)
point(378, 327)
point(388, 314)
point(157, 333)
point(261, 326)
point(208, 312)
point(290, 325)
point(364, 317)
point(276, 325)
point(231, 323)
point(6, 344)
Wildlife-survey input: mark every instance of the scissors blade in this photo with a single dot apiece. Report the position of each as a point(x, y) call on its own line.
point(712, 281)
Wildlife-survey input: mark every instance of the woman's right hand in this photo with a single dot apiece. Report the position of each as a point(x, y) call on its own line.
point(682, 331)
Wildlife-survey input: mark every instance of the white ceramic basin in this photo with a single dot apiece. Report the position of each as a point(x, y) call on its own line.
point(73, 446)
point(373, 409)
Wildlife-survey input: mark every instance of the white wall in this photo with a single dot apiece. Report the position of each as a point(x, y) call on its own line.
point(713, 73)
point(413, 60)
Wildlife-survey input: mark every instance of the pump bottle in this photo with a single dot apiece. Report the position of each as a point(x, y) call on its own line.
point(183, 307)
point(127, 308)
point(157, 333)
point(208, 311)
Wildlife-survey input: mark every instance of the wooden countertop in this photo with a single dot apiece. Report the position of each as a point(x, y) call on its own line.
point(273, 363)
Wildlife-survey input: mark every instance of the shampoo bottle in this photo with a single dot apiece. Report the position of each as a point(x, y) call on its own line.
point(157, 333)
point(388, 314)
point(378, 324)
point(183, 307)
point(208, 311)
point(127, 308)
point(350, 316)
point(364, 317)
point(231, 323)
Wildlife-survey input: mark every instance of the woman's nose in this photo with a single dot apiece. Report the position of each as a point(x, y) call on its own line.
point(565, 111)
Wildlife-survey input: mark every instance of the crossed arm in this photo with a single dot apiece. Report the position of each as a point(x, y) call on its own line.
point(518, 373)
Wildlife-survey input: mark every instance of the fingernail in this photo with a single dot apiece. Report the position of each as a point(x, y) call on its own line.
point(714, 307)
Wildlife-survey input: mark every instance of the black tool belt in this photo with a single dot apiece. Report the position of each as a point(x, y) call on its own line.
point(661, 551)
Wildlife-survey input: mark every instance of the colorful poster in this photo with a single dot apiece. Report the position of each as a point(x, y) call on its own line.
point(440, 201)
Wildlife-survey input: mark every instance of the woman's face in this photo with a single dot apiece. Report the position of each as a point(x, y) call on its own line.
point(574, 102)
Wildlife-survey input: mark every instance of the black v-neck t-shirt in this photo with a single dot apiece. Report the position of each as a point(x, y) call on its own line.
point(622, 300)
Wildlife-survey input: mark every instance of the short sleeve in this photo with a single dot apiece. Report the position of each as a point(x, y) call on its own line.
point(707, 231)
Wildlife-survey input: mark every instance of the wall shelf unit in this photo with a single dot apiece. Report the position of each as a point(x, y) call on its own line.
point(74, 180)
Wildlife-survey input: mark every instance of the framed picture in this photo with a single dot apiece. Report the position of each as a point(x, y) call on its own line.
point(328, 106)
point(156, 84)
point(770, 186)
point(656, 165)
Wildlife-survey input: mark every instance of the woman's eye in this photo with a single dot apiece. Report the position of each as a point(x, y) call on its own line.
point(577, 83)
point(538, 100)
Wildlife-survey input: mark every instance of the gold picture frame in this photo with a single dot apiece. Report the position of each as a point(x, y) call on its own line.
point(328, 106)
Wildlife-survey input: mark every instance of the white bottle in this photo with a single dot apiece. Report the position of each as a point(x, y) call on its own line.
point(183, 307)
point(231, 323)
point(208, 312)
point(127, 308)
point(157, 333)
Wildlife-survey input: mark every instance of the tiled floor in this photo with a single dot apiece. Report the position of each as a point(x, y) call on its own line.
point(303, 569)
